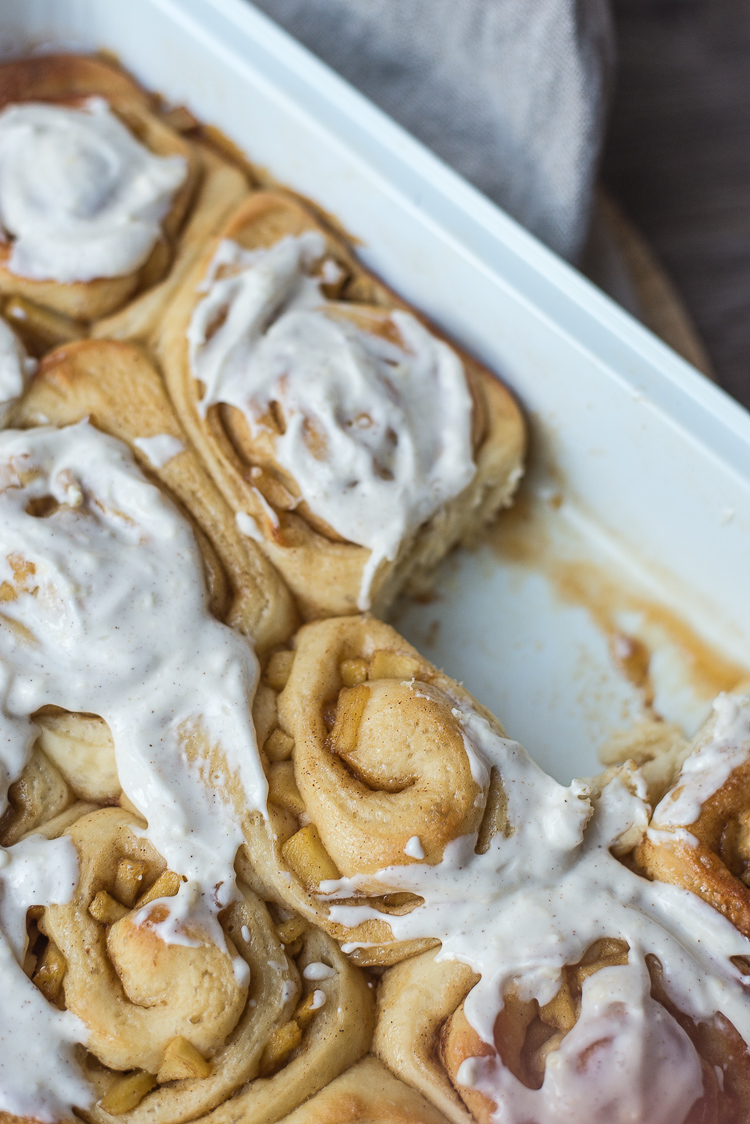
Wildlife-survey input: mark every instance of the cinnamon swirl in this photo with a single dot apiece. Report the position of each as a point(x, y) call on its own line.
point(370, 767)
point(353, 444)
point(99, 197)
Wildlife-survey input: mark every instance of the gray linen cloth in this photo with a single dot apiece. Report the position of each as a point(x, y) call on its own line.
point(512, 93)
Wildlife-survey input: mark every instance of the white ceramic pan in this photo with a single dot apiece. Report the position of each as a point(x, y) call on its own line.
point(625, 571)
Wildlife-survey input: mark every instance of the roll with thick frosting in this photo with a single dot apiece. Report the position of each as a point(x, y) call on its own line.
point(100, 197)
point(353, 443)
point(118, 388)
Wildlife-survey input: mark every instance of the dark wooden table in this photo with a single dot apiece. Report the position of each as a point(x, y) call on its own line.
point(677, 159)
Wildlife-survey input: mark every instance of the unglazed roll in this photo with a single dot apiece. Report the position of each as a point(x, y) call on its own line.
point(370, 767)
point(354, 445)
point(699, 835)
point(115, 385)
point(100, 197)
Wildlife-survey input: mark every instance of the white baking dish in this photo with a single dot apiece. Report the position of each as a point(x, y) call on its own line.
point(646, 463)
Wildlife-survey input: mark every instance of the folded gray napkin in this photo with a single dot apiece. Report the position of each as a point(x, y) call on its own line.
point(512, 93)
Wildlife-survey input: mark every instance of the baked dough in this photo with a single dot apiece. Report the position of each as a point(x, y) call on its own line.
point(117, 387)
point(323, 570)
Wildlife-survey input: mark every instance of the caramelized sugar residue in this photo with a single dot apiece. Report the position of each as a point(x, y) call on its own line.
point(523, 537)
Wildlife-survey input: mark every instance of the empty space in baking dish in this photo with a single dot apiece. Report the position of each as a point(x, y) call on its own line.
point(639, 492)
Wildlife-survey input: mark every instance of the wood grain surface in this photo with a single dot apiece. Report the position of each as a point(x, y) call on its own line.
point(677, 160)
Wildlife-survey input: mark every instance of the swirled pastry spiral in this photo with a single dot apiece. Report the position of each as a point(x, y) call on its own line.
point(202, 852)
point(200, 1021)
point(351, 442)
point(140, 924)
point(369, 767)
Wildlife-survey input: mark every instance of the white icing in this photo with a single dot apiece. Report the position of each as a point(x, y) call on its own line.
point(536, 900)
point(161, 449)
point(318, 971)
point(612, 1066)
point(393, 421)
point(81, 197)
point(113, 620)
point(248, 526)
point(318, 1000)
point(708, 767)
point(414, 848)
point(16, 367)
point(36, 871)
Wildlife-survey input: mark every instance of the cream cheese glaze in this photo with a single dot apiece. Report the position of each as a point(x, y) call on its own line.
point(105, 611)
point(36, 871)
point(536, 900)
point(709, 766)
point(392, 421)
point(16, 367)
point(79, 195)
point(160, 449)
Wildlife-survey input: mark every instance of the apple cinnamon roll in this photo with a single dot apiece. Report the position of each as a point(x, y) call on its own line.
point(369, 767)
point(353, 443)
point(116, 386)
point(699, 836)
point(190, 1018)
point(98, 196)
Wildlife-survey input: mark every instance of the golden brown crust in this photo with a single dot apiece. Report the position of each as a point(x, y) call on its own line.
point(366, 1094)
point(116, 386)
point(323, 571)
point(67, 80)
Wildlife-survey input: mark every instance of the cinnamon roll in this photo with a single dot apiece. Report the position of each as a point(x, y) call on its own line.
point(699, 836)
point(370, 767)
point(98, 193)
point(116, 386)
point(186, 1019)
point(353, 443)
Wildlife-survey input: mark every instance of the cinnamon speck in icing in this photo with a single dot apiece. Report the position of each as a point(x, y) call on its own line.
point(104, 611)
point(80, 196)
point(391, 420)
